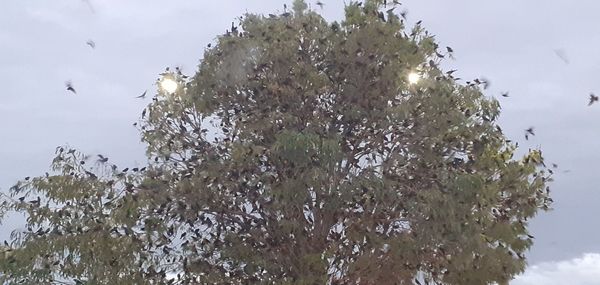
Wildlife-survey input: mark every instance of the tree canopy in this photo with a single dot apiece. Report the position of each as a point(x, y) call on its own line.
point(298, 153)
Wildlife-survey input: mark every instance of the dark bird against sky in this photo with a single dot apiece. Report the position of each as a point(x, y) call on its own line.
point(593, 99)
point(70, 87)
point(529, 131)
point(143, 95)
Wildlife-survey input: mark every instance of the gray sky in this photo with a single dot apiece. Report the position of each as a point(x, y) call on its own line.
point(511, 42)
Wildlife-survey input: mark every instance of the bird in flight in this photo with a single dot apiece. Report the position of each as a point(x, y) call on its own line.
point(102, 159)
point(450, 52)
point(504, 94)
point(593, 99)
point(404, 14)
point(69, 86)
point(320, 4)
point(91, 43)
point(528, 132)
point(562, 55)
point(143, 95)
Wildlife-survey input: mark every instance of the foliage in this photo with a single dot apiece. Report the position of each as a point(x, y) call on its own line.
point(323, 164)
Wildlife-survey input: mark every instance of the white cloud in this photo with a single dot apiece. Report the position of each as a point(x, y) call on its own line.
point(584, 270)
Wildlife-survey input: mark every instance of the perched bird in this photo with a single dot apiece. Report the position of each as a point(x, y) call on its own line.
point(91, 43)
point(143, 95)
point(504, 94)
point(69, 86)
point(528, 132)
point(593, 99)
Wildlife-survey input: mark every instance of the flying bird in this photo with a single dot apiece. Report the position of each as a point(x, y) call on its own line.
point(404, 14)
point(529, 131)
point(143, 95)
point(593, 99)
point(320, 4)
point(69, 86)
point(483, 81)
point(91, 43)
point(102, 159)
point(450, 52)
point(562, 55)
point(504, 94)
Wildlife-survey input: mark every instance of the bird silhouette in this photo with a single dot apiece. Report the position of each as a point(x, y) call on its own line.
point(593, 99)
point(486, 83)
point(529, 131)
point(91, 43)
point(504, 94)
point(404, 14)
point(450, 52)
point(320, 4)
point(70, 87)
point(562, 55)
point(143, 95)
point(102, 159)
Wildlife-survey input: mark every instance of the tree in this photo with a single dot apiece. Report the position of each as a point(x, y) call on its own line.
point(323, 165)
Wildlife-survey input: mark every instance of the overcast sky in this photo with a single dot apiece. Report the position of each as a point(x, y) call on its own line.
point(512, 43)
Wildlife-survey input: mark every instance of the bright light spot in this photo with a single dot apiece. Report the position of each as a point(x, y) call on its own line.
point(413, 78)
point(169, 85)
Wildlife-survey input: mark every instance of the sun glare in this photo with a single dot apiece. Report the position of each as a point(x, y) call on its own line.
point(413, 78)
point(168, 85)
